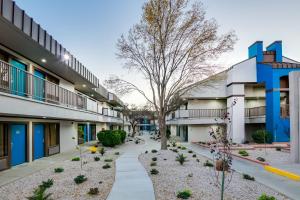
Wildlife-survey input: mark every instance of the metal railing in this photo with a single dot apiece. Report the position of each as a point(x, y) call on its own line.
point(199, 113)
point(255, 112)
point(19, 82)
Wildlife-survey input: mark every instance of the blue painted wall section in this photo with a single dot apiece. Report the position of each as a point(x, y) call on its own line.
point(275, 124)
point(256, 50)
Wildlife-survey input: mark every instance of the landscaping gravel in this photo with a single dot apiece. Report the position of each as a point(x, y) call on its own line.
point(174, 177)
point(64, 187)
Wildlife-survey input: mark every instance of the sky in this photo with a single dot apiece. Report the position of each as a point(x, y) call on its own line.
point(89, 29)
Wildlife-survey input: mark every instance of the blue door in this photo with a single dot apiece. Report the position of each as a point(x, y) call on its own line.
point(85, 131)
point(18, 78)
point(38, 138)
point(38, 85)
point(18, 144)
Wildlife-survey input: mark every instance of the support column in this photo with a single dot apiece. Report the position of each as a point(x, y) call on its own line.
point(236, 109)
point(30, 144)
point(294, 83)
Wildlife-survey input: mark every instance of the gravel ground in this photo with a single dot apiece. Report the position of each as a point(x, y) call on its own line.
point(272, 156)
point(64, 187)
point(193, 175)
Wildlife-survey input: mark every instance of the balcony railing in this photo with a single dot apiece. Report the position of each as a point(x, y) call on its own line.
point(19, 82)
point(111, 113)
point(199, 113)
point(255, 112)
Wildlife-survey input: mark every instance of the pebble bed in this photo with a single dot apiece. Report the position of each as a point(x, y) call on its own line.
point(174, 177)
point(64, 187)
point(271, 156)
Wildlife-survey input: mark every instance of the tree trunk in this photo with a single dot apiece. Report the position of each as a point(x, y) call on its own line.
point(162, 128)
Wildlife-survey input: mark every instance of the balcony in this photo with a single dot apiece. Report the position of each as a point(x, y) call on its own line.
point(255, 115)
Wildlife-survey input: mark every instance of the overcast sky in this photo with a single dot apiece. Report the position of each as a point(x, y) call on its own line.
point(89, 29)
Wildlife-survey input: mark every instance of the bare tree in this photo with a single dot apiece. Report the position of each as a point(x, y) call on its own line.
point(170, 47)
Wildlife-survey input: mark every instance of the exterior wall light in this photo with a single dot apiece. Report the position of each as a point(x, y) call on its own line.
point(43, 60)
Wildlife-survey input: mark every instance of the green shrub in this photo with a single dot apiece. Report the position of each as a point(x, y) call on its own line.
point(111, 138)
point(58, 170)
point(153, 151)
point(39, 194)
point(243, 153)
point(262, 136)
point(184, 194)
point(181, 158)
point(248, 177)
point(208, 164)
point(152, 164)
point(154, 171)
point(96, 158)
point(106, 166)
point(47, 184)
point(93, 191)
point(183, 148)
point(108, 160)
point(266, 197)
point(154, 159)
point(80, 179)
point(76, 159)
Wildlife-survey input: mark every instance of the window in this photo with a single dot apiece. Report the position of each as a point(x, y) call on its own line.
point(53, 135)
point(3, 140)
point(284, 97)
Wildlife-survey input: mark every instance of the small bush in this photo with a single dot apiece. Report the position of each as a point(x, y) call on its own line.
point(266, 197)
point(261, 159)
point(183, 148)
point(80, 179)
point(181, 159)
point(106, 166)
point(154, 159)
point(117, 153)
point(248, 177)
point(58, 170)
point(175, 150)
point(108, 160)
point(102, 151)
point(152, 164)
point(146, 152)
point(197, 160)
point(47, 184)
point(93, 191)
point(278, 148)
point(194, 155)
point(190, 151)
point(243, 153)
point(184, 194)
point(39, 194)
point(111, 138)
point(154, 171)
point(153, 151)
point(208, 164)
point(262, 136)
point(76, 159)
point(96, 158)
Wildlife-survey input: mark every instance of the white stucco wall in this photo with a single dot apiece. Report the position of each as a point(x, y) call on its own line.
point(207, 104)
point(243, 72)
point(255, 91)
point(251, 103)
point(173, 129)
point(68, 131)
point(100, 126)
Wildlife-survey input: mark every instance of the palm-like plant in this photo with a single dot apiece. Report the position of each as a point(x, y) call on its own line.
point(181, 159)
point(39, 194)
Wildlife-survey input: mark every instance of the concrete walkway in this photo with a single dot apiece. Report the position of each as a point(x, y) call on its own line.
point(132, 181)
point(283, 185)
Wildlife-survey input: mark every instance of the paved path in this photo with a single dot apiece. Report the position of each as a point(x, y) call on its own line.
point(283, 185)
point(132, 181)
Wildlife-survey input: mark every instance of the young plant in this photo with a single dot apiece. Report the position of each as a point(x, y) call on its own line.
point(96, 158)
point(152, 164)
point(181, 159)
point(47, 184)
point(76, 159)
point(154, 171)
point(146, 152)
point(261, 159)
point(184, 194)
point(117, 153)
point(153, 151)
point(248, 177)
point(93, 191)
point(194, 155)
point(154, 159)
point(106, 166)
point(108, 160)
point(208, 164)
point(266, 197)
point(102, 151)
point(243, 153)
point(183, 148)
point(58, 170)
point(80, 179)
point(190, 151)
point(39, 194)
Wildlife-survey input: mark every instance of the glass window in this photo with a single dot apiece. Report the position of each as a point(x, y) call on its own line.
point(3, 141)
point(53, 135)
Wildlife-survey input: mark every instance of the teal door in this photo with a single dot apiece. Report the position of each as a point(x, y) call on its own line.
point(38, 138)
point(18, 144)
point(18, 78)
point(38, 85)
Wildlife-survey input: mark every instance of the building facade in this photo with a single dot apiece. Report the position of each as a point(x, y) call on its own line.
point(255, 93)
point(49, 101)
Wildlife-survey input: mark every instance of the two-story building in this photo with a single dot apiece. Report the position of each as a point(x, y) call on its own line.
point(49, 101)
point(255, 93)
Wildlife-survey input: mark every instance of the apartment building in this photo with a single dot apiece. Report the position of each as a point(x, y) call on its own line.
point(49, 101)
point(255, 93)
